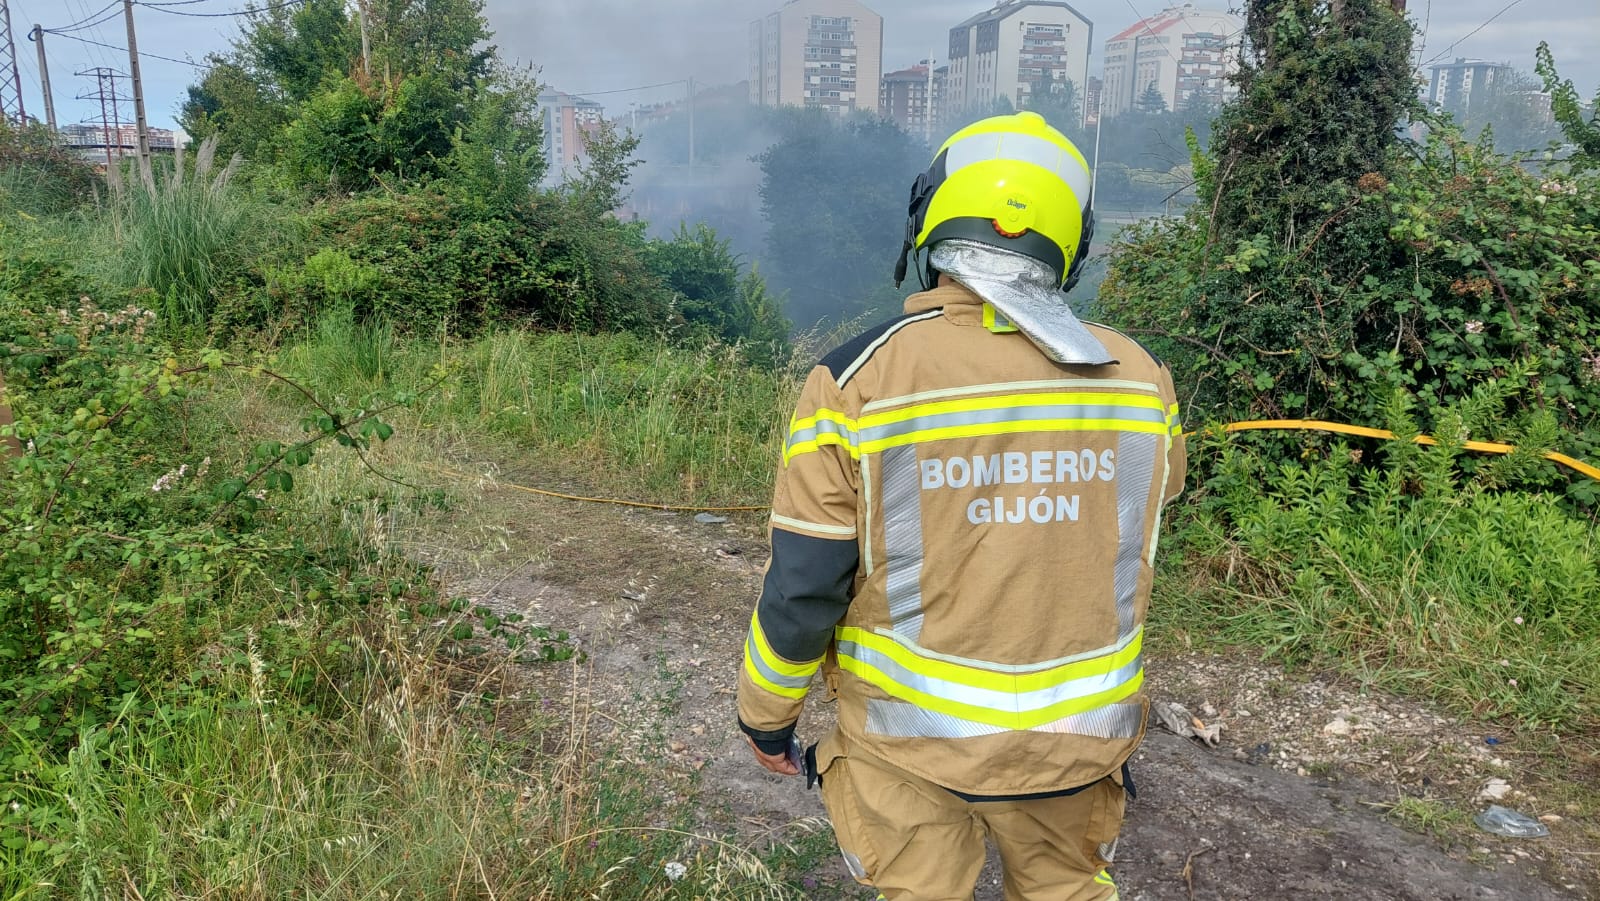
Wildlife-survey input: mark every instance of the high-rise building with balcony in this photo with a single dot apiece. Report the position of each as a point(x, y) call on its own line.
point(1187, 53)
point(820, 54)
point(914, 98)
point(1455, 85)
point(1015, 50)
point(569, 121)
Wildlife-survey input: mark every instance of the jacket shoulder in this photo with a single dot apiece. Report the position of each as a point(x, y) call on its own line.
point(1123, 345)
point(844, 361)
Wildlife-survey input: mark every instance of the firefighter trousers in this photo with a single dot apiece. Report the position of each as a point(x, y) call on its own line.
point(915, 841)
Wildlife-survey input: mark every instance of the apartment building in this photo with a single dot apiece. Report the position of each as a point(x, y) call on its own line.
point(1453, 85)
point(819, 54)
point(1016, 49)
point(1186, 52)
point(914, 97)
point(568, 122)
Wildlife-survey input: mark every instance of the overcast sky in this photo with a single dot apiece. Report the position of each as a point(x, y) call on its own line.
point(607, 45)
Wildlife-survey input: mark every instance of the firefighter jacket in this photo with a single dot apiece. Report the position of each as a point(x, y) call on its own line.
point(962, 541)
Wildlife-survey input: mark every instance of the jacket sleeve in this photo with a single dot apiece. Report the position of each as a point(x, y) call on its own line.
point(809, 579)
point(1177, 450)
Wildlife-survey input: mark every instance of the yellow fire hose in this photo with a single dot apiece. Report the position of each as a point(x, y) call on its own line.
point(1255, 425)
point(1317, 425)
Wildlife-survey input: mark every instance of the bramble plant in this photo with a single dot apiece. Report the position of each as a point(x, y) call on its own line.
point(125, 553)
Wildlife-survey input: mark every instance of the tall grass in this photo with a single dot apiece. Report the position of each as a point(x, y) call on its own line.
point(1405, 575)
point(398, 793)
point(616, 413)
point(183, 236)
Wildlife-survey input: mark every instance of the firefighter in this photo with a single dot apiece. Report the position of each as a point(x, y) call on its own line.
point(962, 531)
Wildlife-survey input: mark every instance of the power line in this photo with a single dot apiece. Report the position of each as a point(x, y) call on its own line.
point(1446, 52)
point(643, 87)
point(162, 8)
point(1146, 25)
point(80, 23)
point(142, 53)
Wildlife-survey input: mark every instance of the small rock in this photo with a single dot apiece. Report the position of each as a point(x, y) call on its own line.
point(1339, 726)
point(675, 871)
point(1301, 771)
point(697, 729)
point(677, 747)
point(706, 519)
point(1241, 712)
point(1208, 711)
point(1494, 790)
point(1551, 818)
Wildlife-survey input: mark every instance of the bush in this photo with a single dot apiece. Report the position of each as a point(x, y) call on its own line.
point(188, 237)
point(134, 536)
point(1472, 268)
point(1408, 572)
point(38, 176)
point(428, 259)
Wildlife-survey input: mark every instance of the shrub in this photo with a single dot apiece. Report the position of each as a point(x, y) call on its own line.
point(1408, 572)
point(437, 258)
point(38, 176)
point(127, 548)
point(187, 236)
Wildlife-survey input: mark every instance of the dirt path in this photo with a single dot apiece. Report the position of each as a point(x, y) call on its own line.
point(659, 604)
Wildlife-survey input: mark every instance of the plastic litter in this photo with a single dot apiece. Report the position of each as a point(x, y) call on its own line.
point(1490, 740)
point(706, 519)
point(1499, 820)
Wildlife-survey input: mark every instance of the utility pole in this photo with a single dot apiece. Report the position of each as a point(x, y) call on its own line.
point(138, 100)
point(44, 77)
point(10, 76)
point(110, 116)
point(691, 123)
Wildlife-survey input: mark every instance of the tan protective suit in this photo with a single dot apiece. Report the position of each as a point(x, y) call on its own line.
point(963, 533)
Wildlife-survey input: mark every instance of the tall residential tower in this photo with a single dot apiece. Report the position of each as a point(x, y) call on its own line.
point(1015, 50)
point(820, 54)
point(1185, 52)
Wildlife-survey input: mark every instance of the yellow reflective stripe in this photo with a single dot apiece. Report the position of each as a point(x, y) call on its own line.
point(806, 447)
point(999, 387)
point(775, 661)
point(822, 528)
point(1014, 427)
point(994, 322)
point(856, 448)
point(1104, 878)
point(1004, 719)
point(822, 415)
point(1011, 401)
point(755, 675)
point(989, 679)
point(818, 439)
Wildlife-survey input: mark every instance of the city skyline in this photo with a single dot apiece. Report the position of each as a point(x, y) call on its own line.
point(673, 40)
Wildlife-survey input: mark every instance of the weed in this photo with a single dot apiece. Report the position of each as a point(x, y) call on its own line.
point(1429, 816)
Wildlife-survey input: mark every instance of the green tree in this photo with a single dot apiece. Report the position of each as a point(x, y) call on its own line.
point(1062, 107)
point(834, 196)
point(1506, 110)
point(1580, 127)
point(1150, 100)
point(711, 293)
point(1321, 93)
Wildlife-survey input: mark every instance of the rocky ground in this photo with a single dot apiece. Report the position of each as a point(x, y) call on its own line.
point(1316, 788)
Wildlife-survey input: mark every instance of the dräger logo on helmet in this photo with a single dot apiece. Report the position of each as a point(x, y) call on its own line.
point(1014, 202)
